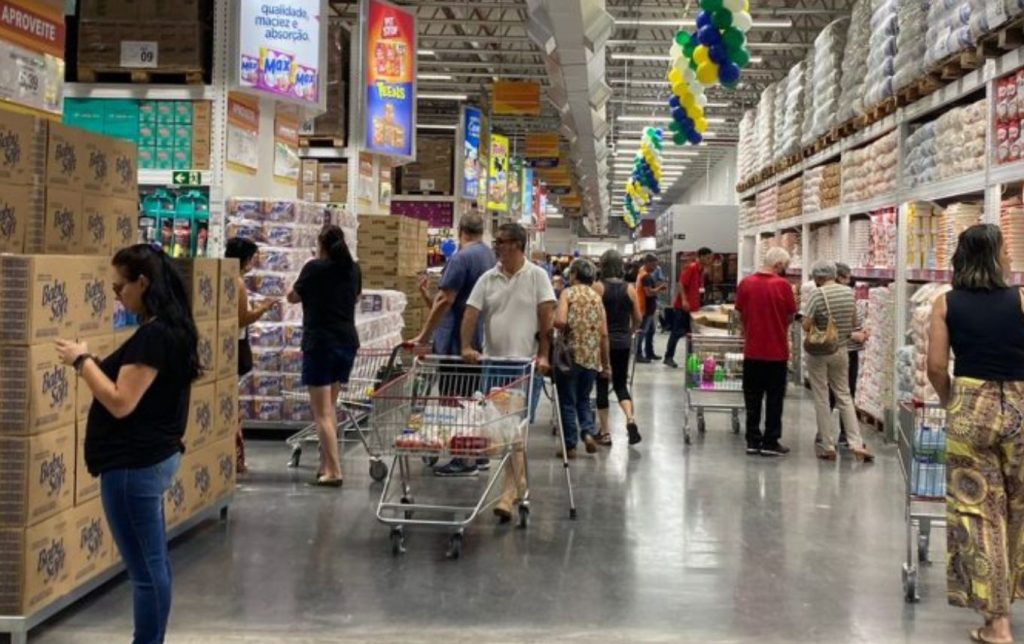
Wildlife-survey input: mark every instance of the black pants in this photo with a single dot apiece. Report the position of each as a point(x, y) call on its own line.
point(680, 328)
point(854, 371)
point(764, 379)
point(619, 359)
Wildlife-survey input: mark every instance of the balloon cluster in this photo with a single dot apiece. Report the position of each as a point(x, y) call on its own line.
point(715, 54)
point(645, 179)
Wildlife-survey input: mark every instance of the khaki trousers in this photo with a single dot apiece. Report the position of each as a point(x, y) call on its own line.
point(833, 371)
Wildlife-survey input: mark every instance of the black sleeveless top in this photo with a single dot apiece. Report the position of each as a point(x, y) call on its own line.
point(618, 309)
point(986, 331)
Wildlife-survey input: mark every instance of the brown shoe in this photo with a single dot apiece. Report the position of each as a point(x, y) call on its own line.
point(863, 456)
point(590, 444)
point(569, 453)
point(826, 454)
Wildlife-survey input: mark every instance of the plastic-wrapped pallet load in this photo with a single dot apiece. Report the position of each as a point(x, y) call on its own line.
point(827, 75)
point(855, 62)
point(1009, 106)
point(960, 140)
point(1011, 221)
point(813, 179)
point(875, 381)
point(793, 110)
point(746, 152)
point(955, 219)
point(780, 121)
point(883, 239)
point(912, 20)
point(748, 214)
point(807, 108)
point(878, 85)
point(859, 246)
point(767, 204)
point(824, 242)
point(920, 161)
point(921, 218)
point(870, 171)
point(921, 303)
point(765, 128)
point(790, 197)
point(792, 241)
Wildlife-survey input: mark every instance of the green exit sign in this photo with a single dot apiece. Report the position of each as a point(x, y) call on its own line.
point(184, 178)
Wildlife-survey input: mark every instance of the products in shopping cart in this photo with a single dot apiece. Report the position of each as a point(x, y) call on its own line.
point(715, 372)
point(928, 465)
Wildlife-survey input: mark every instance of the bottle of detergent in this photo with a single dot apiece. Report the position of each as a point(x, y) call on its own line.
point(709, 372)
point(693, 371)
point(156, 221)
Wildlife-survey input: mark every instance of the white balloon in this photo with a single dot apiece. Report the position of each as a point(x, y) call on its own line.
point(681, 64)
point(675, 51)
point(734, 6)
point(742, 21)
point(689, 75)
point(702, 100)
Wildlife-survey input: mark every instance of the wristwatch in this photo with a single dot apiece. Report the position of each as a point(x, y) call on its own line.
point(80, 362)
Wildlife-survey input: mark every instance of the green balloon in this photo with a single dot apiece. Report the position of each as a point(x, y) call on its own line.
point(675, 127)
point(679, 138)
point(723, 19)
point(733, 37)
point(657, 144)
point(688, 49)
point(693, 64)
point(682, 38)
point(741, 57)
point(711, 6)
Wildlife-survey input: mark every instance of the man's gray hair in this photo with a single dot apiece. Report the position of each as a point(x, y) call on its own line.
point(583, 270)
point(823, 270)
point(471, 224)
point(843, 270)
point(776, 255)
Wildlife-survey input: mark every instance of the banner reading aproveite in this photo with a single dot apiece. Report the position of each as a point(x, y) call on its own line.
point(472, 120)
point(279, 48)
point(32, 55)
point(390, 102)
point(497, 184)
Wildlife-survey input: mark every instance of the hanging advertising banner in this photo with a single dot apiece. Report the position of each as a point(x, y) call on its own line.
point(497, 184)
point(542, 149)
point(282, 49)
point(33, 26)
point(527, 214)
point(286, 145)
point(558, 179)
point(472, 121)
point(540, 207)
point(32, 55)
point(515, 175)
point(389, 41)
point(516, 98)
point(243, 132)
point(570, 200)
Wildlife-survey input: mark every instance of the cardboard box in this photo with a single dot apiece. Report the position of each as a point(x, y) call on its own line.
point(64, 221)
point(34, 565)
point(227, 348)
point(35, 299)
point(222, 460)
point(207, 350)
point(176, 496)
point(228, 294)
point(124, 180)
point(94, 296)
point(92, 544)
point(21, 208)
point(109, 9)
point(308, 172)
point(201, 277)
point(201, 418)
point(66, 158)
point(101, 346)
point(199, 480)
point(38, 474)
point(97, 232)
point(332, 173)
point(98, 156)
point(225, 408)
point(22, 148)
point(331, 193)
point(123, 223)
point(87, 486)
point(37, 392)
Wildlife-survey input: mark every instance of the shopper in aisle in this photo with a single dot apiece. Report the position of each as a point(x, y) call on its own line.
point(622, 313)
point(648, 290)
point(687, 301)
point(831, 311)
point(858, 338)
point(558, 284)
point(982, 321)
point(580, 317)
point(137, 421)
point(516, 303)
point(328, 288)
point(247, 254)
point(443, 327)
point(766, 307)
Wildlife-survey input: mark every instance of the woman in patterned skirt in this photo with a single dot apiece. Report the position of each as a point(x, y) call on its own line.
point(982, 320)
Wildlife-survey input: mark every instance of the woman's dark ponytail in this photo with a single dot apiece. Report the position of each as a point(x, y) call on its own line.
point(332, 240)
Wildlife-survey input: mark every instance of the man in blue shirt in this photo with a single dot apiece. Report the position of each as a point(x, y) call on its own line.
point(444, 324)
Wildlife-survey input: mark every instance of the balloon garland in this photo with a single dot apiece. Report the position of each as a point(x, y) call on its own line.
point(645, 179)
point(716, 53)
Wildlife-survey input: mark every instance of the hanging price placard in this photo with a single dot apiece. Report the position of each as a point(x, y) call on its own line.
point(139, 53)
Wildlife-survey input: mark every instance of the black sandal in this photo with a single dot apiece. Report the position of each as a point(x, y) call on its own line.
point(634, 433)
point(604, 439)
point(323, 481)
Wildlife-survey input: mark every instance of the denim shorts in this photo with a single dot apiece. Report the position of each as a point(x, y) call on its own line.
point(327, 366)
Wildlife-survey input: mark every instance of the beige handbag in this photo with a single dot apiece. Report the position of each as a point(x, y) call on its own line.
point(820, 342)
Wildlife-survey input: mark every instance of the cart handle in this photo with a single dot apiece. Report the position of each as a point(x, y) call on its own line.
point(483, 358)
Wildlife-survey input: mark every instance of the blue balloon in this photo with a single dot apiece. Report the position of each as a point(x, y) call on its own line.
point(674, 102)
point(448, 247)
point(704, 19)
point(719, 54)
point(694, 137)
point(709, 36)
point(729, 74)
point(678, 113)
point(687, 124)
point(658, 132)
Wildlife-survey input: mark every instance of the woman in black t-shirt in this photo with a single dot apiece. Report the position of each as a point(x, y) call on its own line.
point(328, 288)
point(133, 438)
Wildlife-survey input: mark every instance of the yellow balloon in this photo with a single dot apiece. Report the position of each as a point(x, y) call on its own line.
point(680, 89)
point(675, 76)
point(694, 113)
point(701, 55)
point(707, 73)
point(746, 5)
point(701, 125)
point(688, 101)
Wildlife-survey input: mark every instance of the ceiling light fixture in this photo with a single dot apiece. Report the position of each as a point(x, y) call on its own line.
point(426, 52)
point(435, 126)
point(441, 97)
point(436, 77)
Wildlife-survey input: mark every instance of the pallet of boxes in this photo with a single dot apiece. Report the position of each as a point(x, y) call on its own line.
point(392, 255)
point(68, 201)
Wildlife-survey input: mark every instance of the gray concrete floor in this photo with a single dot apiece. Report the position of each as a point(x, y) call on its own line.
point(703, 544)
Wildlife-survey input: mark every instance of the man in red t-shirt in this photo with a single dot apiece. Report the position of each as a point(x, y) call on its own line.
point(767, 307)
point(687, 302)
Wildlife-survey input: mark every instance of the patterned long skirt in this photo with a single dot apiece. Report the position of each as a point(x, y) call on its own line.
point(985, 496)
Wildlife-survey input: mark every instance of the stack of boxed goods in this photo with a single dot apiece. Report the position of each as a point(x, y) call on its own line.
point(855, 62)
point(379, 319)
point(827, 72)
point(170, 135)
point(874, 384)
point(792, 110)
point(824, 242)
point(1009, 104)
point(432, 171)
point(393, 252)
point(1011, 221)
point(179, 30)
point(789, 200)
point(323, 181)
point(333, 123)
point(884, 27)
point(767, 204)
point(747, 147)
point(912, 25)
point(870, 171)
point(882, 253)
point(780, 120)
point(748, 214)
point(765, 128)
point(951, 146)
point(792, 241)
point(955, 219)
point(922, 233)
point(821, 188)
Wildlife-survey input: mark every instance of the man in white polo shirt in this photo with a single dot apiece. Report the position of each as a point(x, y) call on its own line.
point(517, 305)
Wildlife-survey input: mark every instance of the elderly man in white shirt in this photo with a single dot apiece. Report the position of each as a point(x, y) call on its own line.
point(517, 303)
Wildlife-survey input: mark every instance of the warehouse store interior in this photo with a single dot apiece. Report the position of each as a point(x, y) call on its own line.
point(438, 237)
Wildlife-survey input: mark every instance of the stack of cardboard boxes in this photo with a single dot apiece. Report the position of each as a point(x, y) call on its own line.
point(333, 123)
point(432, 171)
point(323, 182)
point(52, 527)
point(392, 255)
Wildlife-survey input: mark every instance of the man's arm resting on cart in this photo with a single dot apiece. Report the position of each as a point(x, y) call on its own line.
point(469, 320)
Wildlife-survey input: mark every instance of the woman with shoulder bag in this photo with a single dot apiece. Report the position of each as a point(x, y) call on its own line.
point(830, 319)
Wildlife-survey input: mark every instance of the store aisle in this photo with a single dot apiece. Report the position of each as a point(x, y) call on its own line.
point(706, 545)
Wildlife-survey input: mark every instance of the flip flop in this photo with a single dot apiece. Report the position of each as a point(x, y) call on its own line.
point(325, 482)
point(604, 440)
point(977, 636)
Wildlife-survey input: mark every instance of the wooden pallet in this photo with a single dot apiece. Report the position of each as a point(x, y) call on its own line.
point(1006, 38)
point(958, 65)
point(907, 95)
point(141, 76)
point(321, 142)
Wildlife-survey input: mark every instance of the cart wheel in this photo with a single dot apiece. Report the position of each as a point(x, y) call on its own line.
point(430, 461)
point(524, 515)
point(455, 546)
point(378, 470)
point(572, 514)
point(735, 423)
point(910, 585)
point(293, 462)
point(397, 541)
point(922, 548)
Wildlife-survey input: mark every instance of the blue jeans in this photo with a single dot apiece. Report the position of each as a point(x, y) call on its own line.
point(133, 501)
point(574, 403)
point(645, 342)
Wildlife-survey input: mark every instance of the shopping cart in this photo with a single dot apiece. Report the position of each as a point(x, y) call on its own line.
point(372, 367)
point(714, 379)
point(444, 407)
point(921, 441)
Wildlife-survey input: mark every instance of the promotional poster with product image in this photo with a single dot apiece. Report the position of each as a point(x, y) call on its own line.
point(390, 101)
point(279, 48)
